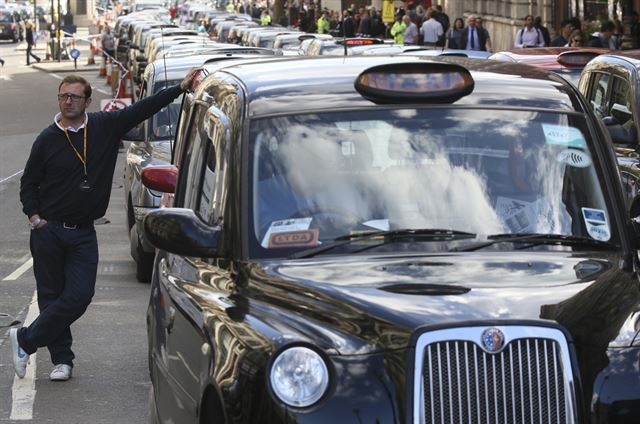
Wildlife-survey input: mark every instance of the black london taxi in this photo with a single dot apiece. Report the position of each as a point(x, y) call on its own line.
point(392, 240)
point(610, 84)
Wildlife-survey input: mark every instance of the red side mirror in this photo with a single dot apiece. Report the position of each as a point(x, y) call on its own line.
point(160, 178)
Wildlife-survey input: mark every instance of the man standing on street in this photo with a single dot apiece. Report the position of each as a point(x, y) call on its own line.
point(30, 43)
point(472, 38)
point(431, 29)
point(529, 35)
point(108, 42)
point(66, 185)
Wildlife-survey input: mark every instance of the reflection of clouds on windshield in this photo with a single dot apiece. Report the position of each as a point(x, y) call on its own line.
point(422, 188)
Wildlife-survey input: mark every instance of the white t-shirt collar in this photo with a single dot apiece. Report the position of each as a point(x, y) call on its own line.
point(58, 117)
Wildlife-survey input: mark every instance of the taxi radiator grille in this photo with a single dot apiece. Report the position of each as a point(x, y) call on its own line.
point(522, 383)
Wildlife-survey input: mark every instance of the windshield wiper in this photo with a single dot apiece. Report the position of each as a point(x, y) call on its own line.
point(429, 234)
point(535, 239)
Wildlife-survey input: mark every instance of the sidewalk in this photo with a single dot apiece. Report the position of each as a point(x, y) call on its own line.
point(65, 65)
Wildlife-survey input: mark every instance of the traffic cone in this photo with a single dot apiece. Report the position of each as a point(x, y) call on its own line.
point(109, 72)
point(103, 67)
point(92, 52)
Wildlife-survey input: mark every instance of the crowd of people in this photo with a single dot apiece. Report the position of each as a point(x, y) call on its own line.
point(432, 27)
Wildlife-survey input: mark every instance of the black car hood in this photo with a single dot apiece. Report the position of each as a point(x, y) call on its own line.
point(369, 304)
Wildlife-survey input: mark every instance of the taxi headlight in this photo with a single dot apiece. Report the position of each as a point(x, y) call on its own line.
point(299, 376)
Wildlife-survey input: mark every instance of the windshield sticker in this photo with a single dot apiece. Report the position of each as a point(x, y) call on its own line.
point(573, 157)
point(563, 136)
point(521, 216)
point(286, 226)
point(302, 238)
point(378, 224)
point(596, 222)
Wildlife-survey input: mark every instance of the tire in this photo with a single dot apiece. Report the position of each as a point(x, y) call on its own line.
point(144, 265)
point(153, 412)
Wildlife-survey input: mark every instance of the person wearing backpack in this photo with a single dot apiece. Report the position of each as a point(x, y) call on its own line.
point(529, 36)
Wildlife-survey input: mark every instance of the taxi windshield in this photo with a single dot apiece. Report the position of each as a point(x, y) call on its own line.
point(318, 178)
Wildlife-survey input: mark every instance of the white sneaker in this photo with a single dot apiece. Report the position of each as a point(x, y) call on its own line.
point(61, 372)
point(20, 357)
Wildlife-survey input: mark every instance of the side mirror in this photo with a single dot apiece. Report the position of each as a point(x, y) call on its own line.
point(134, 134)
point(180, 231)
point(618, 134)
point(161, 178)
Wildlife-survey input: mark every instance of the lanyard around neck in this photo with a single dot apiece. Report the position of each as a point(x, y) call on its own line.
point(82, 158)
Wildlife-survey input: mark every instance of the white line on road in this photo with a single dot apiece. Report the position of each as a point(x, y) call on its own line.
point(103, 91)
point(11, 176)
point(56, 76)
point(18, 272)
point(23, 392)
point(5, 77)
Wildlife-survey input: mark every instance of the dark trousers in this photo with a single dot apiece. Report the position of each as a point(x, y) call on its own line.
point(30, 54)
point(65, 264)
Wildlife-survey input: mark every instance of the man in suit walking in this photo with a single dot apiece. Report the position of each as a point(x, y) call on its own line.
point(472, 37)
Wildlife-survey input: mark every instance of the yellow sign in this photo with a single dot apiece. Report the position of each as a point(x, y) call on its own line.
point(387, 11)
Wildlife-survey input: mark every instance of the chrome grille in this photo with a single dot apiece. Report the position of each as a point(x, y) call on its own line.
point(528, 381)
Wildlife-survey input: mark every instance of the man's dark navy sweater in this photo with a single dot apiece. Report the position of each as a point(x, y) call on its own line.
point(50, 183)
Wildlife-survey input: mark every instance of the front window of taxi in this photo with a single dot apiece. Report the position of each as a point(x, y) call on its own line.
point(483, 174)
point(163, 123)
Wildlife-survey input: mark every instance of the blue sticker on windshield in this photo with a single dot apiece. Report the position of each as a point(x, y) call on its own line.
point(563, 136)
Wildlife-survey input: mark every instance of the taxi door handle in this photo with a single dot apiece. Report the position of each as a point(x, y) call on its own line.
point(171, 317)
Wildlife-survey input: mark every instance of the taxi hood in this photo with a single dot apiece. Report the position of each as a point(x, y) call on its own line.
point(377, 304)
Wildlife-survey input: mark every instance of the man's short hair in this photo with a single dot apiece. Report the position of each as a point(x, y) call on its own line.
point(77, 79)
point(607, 26)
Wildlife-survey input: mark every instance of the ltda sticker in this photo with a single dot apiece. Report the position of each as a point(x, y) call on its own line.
point(573, 157)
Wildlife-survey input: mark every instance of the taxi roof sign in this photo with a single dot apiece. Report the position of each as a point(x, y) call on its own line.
point(360, 41)
point(577, 58)
point(415, 83)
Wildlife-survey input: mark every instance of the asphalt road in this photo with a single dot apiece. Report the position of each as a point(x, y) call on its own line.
point(111, 380)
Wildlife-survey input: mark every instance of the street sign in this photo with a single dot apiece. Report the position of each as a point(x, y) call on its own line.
point(388, 12)
point(114, 104)
point(74, 53)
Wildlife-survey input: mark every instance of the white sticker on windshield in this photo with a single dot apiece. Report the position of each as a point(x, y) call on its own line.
point(563, 136)
point(573, 157)
point(596, 222)
point(286, 226)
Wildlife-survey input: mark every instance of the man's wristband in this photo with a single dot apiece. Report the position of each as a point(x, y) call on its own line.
point(34, 224)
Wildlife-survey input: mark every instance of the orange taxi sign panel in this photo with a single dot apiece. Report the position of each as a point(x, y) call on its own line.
point(360, 41)
point(415, 82)
point(301, 238)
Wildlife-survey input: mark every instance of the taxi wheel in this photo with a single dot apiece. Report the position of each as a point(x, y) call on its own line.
point(153, 412)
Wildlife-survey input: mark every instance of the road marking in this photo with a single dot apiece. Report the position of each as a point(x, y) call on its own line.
point(18, 272)
point(103, 92)
point(23, 392)
point(11, 176)
point(56, 76)
point(5, 77)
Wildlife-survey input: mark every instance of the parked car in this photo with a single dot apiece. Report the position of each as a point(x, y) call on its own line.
point(392, 240)
point(10, 26)
point(610, 84)
point(150, 144)
point(565, 61)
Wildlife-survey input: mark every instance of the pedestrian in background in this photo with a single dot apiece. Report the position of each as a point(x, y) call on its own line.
point(431, 29)
point(603, 39)
point(484, 34)
point(529, 35)
point(31, 43)
point(398, 29)
point(65, 186)
point(537, 23)
point(472, 39)
point(108, 43)
point(1, 61)
point(576, 39)
point(454, 36)
point(411, 34)
point(560, 40)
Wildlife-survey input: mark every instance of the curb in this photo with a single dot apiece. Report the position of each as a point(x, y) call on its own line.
point(64, 67)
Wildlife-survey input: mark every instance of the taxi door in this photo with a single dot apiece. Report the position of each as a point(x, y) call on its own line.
point(187, 284)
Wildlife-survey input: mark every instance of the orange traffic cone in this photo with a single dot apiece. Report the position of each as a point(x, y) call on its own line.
point(126, 87)
point(91, 59)
point(103, 67)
